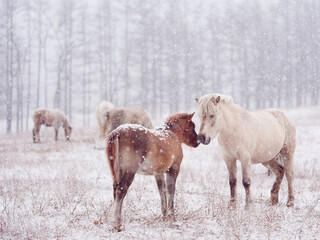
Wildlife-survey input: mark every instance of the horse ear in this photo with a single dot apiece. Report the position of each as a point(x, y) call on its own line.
point(191, 115)
point(196, 99)
point(218, 99)
point(215, 100)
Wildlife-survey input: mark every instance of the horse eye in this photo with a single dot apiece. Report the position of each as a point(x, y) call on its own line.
point(212, 115)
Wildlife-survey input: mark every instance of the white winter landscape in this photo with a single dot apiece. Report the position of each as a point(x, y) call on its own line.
point(158, 55)
point(63, 190)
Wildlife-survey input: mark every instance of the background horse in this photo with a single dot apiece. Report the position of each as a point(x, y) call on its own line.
point(134, 148)
point(53, 118)
point(250, 137)
point(118, 116)
point(101, 111)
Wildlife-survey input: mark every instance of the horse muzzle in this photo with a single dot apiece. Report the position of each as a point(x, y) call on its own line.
point(204, 140)
point(193, 143)
point(196, 143)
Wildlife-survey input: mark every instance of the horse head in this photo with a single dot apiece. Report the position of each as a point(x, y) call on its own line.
point(67, 131)
point(183, 126)
point(209, 112)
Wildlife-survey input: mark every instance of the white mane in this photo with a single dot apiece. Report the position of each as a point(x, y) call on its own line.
point(206, 105)
point(223, 98)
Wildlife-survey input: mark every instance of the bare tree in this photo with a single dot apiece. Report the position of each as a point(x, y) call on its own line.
point(126, 53)
point(19, 86)
point(39, 50)
point(157, 54)
point(28, 100)
point(9, 8)
point(84, 64)
point(45, 63)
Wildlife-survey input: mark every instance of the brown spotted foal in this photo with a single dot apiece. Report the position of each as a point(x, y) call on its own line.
point(135, 149)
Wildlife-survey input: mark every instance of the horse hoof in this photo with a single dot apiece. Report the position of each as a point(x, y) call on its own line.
point(118, 228)
point(290, 204)
point(171, 218)
point(232, 204)
point(248, 207)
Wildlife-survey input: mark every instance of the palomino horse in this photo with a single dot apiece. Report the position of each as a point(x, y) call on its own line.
point(135, 149)
point(250, 137)
point(53, 118)
point(101, 111)
point(118, 116)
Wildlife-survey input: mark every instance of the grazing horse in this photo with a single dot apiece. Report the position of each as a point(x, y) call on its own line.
point(118, 116)
point(101, 111)
point(53, 118)
point(250, 137)
point(135, 149)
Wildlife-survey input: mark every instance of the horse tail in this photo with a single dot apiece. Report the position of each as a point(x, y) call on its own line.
point(113, 155)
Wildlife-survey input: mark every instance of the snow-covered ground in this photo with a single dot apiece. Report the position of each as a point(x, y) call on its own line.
point(62, 189)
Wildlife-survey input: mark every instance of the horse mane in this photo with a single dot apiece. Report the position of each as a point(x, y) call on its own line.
point(205, 102)
point(223, 98)
point(174, 118)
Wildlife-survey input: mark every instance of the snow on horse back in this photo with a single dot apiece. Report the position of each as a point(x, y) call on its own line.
point(135, 149)
point(250, 137)
point(50, 118)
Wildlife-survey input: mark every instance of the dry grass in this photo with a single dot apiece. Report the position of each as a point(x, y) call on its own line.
point(61, 190)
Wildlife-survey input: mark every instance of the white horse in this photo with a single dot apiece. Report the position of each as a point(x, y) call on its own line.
point(101, 111)
point(250, 137)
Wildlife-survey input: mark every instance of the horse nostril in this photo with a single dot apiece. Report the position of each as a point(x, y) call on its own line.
point(202, 138)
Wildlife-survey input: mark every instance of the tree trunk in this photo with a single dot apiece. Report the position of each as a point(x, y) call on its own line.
point(9, 63)
point(29, 64)
point(84, 67)
point(126, 56)
point(39, 50)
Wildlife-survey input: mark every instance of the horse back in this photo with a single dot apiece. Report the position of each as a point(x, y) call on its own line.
point(39, 116)
point(120, 116)
point(287, 124)
point(271, 132)
point(53, 117)
point(142, 117)
point(143, 151)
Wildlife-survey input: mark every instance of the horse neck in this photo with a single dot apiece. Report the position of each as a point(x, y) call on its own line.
point(178, 132)
point(65, 123)
point(232, 115)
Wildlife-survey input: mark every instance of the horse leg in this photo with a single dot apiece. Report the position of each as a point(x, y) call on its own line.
point(37, 135)
point(279, 172)
point(56, 134)
point(246, 181)
point(287, 155)
point(232, 168)
point(162, 191)
point(172, 175)
point(34, 135)
point(120, 191)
